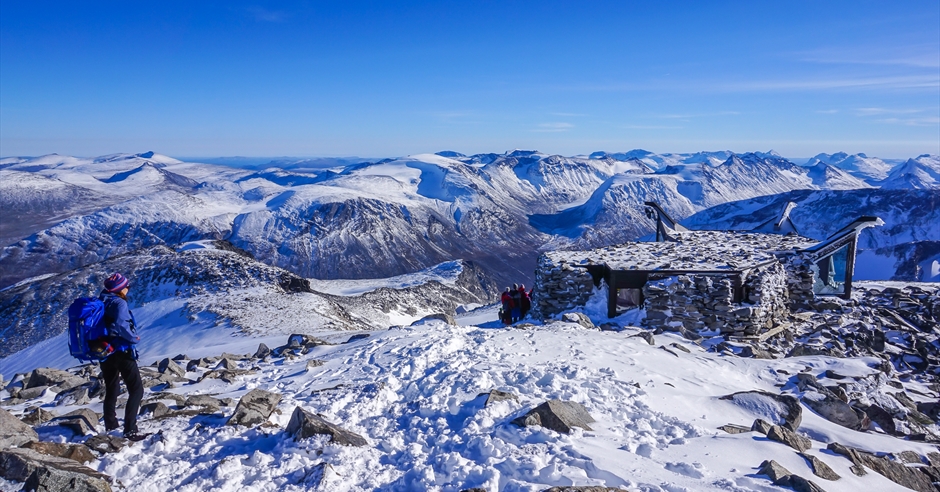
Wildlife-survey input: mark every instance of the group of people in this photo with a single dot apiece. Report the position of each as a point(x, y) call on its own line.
point(516, 303)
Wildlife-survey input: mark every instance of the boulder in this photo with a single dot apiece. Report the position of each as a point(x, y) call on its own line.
point(735, 429)
point(105, 443)
point(579, 318)
point(30, 393)
point(832, 409)
point(194, 364)
point(156, 409)
point(14, 432)
point(61, 380)
point(36, 417)
point(774, 470)
point(557, 415)
point(82, 421)
point(314, 363)
point(304, 424)
point(262, 352)
point(495, 395)
point(782, 477)
point(169, 365)
point(780, 409)
point(762, 426)
point(254, 408)
point(820, 468)
point(76, 396)
point(204, 401)
point(786, 436)
point(78, 452)
point(645, 335)
point(299, 340)
point(50, 473)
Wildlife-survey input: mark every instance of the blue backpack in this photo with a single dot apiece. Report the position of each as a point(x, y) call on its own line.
point(88, 336)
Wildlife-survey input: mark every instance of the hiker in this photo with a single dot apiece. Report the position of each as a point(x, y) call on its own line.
point(122, 363)
point(526, 300)
point(516, 303)
point(506, 313)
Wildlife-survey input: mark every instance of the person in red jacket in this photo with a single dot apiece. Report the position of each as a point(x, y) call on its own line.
point(526, 300)
point(506, 299)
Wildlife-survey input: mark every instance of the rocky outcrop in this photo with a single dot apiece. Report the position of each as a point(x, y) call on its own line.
point(918, 478)
point(789, 413)
point(14, 432)
point(50, 473)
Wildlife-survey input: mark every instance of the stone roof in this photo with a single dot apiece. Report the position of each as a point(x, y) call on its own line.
point(693, 251)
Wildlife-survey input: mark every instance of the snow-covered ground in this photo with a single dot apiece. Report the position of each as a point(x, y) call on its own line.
point(413, 394)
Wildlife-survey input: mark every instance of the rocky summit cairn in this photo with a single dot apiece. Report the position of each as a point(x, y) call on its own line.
point(557, 415)
point(254, 408)
point(304, 424)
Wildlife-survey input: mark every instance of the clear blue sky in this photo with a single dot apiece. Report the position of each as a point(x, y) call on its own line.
point(392, 78)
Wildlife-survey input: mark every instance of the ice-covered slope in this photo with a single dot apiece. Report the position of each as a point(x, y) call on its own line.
point(920, 173)
point(217, 285)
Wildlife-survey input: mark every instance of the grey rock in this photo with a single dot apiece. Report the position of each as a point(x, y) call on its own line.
point(227, 363)
point(494, 396)
point(299, 340)
point(318, 477)
point(786, 436)
point(774, 470)
point(304, 424)
point(792, 415)
point(262, 352)
point(195, 364)
point(13, 432)
point(77, 452)
point(579, 318)
point(75, 396)
point(735, 429)
point(820, 468)
point(204, 401)
point(50, 473)
point(762, 426)
point(800, 484)
point(910, 477)
point(169, 365)
point(646, 335)
point(105, 443)
point(82, 421)
point(36, 417)
point(834, 410)
point(557, 415)
point(254, 408)
point(30, 393)
point(156, 409)
point(314, 363)
point(62, 380)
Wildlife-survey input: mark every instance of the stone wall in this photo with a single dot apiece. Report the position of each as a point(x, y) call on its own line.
point(704, 302)
point(559, 287)
point(800, 277)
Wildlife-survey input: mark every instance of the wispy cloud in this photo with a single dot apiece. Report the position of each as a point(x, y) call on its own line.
point(689, 116)
point(651, 127)
point(883, 111)
point(921, 56)
point(900, 82)
point(553, 127)
point(265, 15)
point(923, 121)
point(827, 111)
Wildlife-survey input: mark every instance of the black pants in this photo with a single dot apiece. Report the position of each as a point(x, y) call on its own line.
point(121, 365)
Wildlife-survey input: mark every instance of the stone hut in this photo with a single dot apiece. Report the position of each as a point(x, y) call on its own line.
point(736, 283)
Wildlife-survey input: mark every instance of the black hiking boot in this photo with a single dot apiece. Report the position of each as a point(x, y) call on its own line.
point(136, 436)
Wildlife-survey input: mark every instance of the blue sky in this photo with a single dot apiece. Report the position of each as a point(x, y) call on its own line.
point(394, 78)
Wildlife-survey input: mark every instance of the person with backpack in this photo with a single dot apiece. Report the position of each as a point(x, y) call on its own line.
point(121, 364)
point(506, 312)
point(526, 300)
point(516, 303)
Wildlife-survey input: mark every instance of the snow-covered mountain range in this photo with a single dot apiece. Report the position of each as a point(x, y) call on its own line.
point(388, 217)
